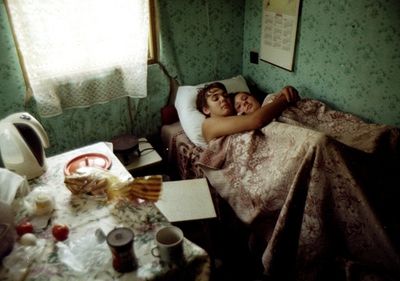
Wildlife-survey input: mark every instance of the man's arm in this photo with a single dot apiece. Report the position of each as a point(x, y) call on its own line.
point(214, 127)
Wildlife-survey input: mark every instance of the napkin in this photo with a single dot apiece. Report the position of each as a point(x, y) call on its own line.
point(12, 184)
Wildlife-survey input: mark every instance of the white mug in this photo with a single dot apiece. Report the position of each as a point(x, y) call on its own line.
point(169, 240)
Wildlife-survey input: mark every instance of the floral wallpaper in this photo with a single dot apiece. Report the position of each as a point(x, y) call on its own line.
point(201, 40)
point(12, 85)
point(347, 54)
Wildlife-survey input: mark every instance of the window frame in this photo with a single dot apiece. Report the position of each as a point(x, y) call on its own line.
point(153, 31)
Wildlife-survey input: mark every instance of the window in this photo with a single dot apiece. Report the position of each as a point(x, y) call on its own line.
point(76, 53)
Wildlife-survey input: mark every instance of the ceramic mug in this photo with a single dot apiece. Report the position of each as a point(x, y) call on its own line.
point(169, 241)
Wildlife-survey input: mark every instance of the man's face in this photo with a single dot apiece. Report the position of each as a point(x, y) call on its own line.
point(218, 103)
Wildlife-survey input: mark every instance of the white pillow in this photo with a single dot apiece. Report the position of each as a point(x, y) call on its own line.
point(185, 103)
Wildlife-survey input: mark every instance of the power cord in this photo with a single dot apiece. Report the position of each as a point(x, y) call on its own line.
point(147, 149)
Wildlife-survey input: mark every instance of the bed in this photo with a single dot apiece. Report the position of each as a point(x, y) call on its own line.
point(317, 187)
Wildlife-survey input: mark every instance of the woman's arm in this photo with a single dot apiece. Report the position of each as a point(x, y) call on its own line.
point(221, 126)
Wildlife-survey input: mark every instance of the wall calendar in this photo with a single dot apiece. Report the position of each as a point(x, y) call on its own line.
point(278, 32)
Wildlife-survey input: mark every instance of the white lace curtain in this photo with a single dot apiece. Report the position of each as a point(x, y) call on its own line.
point(76, 53)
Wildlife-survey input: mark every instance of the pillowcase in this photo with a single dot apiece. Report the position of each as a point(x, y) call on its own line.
point(191, 119)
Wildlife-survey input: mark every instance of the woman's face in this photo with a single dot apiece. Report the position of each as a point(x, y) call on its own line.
point(218, 103)
point(245, 103)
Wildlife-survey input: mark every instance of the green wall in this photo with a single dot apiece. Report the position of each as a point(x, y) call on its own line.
point(347, 54)
point(202, 40)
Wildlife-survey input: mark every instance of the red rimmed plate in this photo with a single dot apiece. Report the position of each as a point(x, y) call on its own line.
point(87, 160)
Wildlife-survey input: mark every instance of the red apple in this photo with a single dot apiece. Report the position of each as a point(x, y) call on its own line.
point(60, 232)
point(24, 227)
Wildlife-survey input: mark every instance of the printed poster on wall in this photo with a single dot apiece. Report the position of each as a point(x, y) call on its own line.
point(278, 32)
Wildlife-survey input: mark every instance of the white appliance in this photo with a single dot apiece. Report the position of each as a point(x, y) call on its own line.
point(22, 143)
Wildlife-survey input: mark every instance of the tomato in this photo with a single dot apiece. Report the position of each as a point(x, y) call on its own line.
point(60, 232)
point(24, 227)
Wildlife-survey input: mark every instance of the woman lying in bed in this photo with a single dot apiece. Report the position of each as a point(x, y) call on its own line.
point(303, 184)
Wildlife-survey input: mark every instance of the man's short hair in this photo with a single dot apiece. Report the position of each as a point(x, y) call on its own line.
point(201, 99)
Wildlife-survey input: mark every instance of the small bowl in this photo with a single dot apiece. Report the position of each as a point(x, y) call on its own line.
point(87, 160)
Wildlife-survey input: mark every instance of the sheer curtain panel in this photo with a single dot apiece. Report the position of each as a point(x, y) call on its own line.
point(76, 53)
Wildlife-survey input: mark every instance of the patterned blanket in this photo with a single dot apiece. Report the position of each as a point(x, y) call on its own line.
point(317, 186)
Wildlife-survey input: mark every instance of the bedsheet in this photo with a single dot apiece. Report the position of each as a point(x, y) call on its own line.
point(181, 152)
point(312, 185)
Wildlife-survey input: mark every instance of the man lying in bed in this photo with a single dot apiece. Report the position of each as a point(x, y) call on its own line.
point(303, 191)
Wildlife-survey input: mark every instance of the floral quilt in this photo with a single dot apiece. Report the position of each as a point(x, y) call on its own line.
point(318, 187)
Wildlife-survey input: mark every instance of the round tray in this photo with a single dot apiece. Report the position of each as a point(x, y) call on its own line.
point(87, 160)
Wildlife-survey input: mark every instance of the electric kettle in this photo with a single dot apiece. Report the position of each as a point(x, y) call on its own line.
point(22, 143)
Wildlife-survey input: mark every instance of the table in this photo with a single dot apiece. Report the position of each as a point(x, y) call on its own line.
point(186, 200)
point(84, 216)
point(148, 156)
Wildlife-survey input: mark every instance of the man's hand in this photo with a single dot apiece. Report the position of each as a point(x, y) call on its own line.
point(290, 94)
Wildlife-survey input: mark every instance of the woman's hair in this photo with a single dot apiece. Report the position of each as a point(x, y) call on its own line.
point(201, 99)
point(259, 98)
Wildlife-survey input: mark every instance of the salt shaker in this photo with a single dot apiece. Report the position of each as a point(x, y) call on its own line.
point(43, 203)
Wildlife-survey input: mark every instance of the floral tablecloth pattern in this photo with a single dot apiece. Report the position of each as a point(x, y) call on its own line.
point(91, 258)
